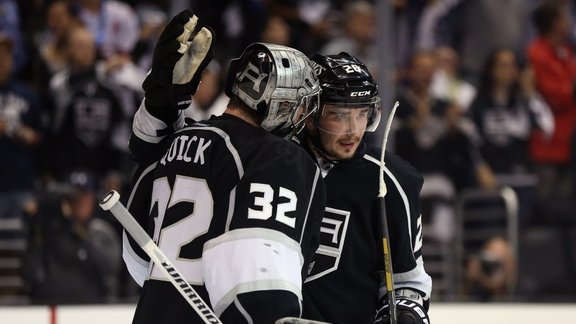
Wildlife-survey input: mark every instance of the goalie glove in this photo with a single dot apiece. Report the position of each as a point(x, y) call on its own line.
point(177, 66)
point(409, 306)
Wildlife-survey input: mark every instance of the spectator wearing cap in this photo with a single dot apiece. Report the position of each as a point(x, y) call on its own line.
point(74, 256)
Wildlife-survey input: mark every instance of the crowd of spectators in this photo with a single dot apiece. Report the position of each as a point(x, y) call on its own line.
point(486, 91)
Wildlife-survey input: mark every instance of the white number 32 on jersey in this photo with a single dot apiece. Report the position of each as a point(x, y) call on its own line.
point(263, 200)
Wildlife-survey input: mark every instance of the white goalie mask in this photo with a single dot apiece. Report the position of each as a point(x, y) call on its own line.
point(278, 82)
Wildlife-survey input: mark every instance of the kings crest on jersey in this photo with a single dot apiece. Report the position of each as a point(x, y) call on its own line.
point(332, 237)
point(344, 279)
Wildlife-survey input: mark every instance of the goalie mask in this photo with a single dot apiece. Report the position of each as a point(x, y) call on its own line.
point(278, 82)
point(349, 101)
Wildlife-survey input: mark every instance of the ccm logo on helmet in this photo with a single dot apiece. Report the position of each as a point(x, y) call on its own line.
point(360, 93)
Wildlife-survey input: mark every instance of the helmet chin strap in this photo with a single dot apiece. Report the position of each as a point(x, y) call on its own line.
point(325, 162)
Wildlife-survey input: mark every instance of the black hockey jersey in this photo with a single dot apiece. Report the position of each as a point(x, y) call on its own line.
point(345, 276)
point(237, 210)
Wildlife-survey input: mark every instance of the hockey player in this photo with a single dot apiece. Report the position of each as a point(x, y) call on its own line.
point(344, 279)
point(236, 208)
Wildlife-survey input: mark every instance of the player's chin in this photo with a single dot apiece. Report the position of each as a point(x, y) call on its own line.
point(344, 153)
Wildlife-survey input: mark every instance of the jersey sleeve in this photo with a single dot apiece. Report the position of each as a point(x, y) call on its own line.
point(405, 226)
point(138, 204)
point(146, 144)
point(257, 266)
point(147, 132)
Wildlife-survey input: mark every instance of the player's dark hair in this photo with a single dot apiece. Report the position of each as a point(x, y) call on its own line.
point(487, 75)
point(545, 15)
point(237, 103)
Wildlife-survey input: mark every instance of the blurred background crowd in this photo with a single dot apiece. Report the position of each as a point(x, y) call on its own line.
point(487, 113)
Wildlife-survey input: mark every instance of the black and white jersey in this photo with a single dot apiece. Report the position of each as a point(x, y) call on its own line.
point(237, 210)
point(345, 276)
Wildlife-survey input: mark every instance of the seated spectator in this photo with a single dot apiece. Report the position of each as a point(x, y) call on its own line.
point(73, 257)
point(491, 274)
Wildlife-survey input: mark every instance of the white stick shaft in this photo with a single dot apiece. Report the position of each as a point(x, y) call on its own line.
point(112, 202)
point(388, 268)
point(383, 189)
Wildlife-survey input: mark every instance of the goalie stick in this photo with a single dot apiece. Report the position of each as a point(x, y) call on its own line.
point(112, 203)
point(385, 236)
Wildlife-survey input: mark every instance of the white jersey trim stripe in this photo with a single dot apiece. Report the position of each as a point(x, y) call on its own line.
point(150, 168)
point(310, 199)
point(401, 192)
point(231, 208)
point(146, 127)
point(137, 267)
point(243, 311)
point(261, 259)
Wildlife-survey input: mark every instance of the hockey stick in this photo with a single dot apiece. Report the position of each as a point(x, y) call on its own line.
point(385, 236)
point(112, 203)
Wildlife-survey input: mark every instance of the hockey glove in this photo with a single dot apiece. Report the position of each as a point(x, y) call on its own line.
point(409, 307)
point(177, 65)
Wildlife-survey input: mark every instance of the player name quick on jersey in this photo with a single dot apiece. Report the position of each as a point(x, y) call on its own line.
point(182, 148)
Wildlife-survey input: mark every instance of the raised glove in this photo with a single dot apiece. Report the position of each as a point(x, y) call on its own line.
point(409, 307)
point(177, 66)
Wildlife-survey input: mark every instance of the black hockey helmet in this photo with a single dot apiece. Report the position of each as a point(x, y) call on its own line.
point(347, 83)
point(278, 82)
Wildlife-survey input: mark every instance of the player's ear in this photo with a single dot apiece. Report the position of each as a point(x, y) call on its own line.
point(310, 125)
